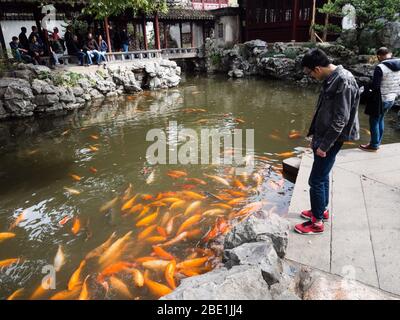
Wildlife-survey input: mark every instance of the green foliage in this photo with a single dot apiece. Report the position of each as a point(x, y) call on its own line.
point(69, 79)
point(101, 9)
point(215, 59)
point(43, 75)
point(369, 13)
point(290, 53)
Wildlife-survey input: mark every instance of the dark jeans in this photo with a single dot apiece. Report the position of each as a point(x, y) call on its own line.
point(319, 180)
point(377, 125)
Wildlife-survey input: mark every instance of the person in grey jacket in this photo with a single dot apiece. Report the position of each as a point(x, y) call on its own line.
point(384, 90)
point(335, 121)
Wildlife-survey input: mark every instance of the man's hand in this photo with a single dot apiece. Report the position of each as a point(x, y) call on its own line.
point(320, 153)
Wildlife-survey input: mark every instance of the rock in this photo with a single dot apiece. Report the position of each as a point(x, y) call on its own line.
point(24, 74)
point(39, 69)
point(340, 54)
point(277, 68)
point(367, 40)
point(96, 94)
point(72, 106)
point(87, 97)
point(389, 36)
point(46, 99)
point(237, 283)
point(3, 113)
point(112, 94)
point(67, 96)
point(56, 107)
point(85, 84)
point(236, 73)
point(19, 108)
point(260, 226)
point(172, 81)
point(18, 90)
point(348, 38)
point(151, 69)
point(260, 254)
point(38, 85)
point(168, 63)
point(105, 86)
point(77, 91)
point(256, 44)
point(318, 285)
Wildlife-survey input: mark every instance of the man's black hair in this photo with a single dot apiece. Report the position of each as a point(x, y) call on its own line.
point(383, 51)
point(23, 29)
point(34, 28)
point(14, 38)
point(315, 58)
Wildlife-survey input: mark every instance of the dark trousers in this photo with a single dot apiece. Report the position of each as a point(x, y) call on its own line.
point(319, 180)
point(377, 125)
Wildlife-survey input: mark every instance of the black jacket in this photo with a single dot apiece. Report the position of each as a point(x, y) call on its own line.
point(336, 116)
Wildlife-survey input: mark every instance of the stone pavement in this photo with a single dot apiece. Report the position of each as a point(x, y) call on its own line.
point(362, 238)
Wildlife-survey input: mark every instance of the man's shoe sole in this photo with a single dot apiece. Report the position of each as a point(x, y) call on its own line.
point(308, 218)
point(310, 233)
point(368, 150)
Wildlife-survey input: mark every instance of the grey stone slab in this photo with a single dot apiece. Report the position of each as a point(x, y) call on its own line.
point(391, 178)
point(383, 203)
point(352, 249)
point(352, 155)
point(372, 166)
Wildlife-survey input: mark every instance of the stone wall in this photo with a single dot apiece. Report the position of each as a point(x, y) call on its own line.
point(31, 89)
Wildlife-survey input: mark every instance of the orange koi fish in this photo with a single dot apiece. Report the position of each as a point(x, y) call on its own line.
point(102, 248)
point(161, 231)
point(192, 207)
point(72, 191)
point(76, 226)
point(147, 231)
point(169, 274)
point(156, 239)
point(75, 177)
point(156, 265)
point(190, 222)
point(92, 169)
point(84, 295)
point(137, 277)
point(6, 235)
point(178, 204)
point(67, 294)
point(180, 237)
point(193, 195)
point(75, 280)
point(197, 262)
point(196, 180)
point(114, 251)
point(147, 220)
point(129, 203)
point(213, 212)
point(8, 262)
point(17, 221)
point(16, 294)
point(162, 253)
point(285, 154)
point(222, 206)
point(217, 179)
point(157, 289)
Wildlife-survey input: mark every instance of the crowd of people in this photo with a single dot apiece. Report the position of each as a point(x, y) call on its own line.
point(35, 47)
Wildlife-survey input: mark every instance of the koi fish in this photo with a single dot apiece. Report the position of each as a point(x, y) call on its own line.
point(178, 173)
point(93, 148)
point(119, 286)
point(16, 294)
point(92, 169)
point(127, 193)
point(147, 220)
point(250, 208)
point(275, 137)
point(220, 227)
point(72, 191)
point(76, 226)
point(196, 180)
point(156, 239)
point(75, 281)
point(156, 265)
point(193, 195)
point(59, 259)
point(145, 210)
point(67, 294)
point(213, 212)
point(166, 216)
point(127, 205)
point(8, 262)
point(75, 177)
point(114, 251)
point(162, 253)
point(147, 197)
point(222, 205)
point(64, 220)
point(102, 248)
point(6, 235)
point(178, 238)
point(197, 262)
point(17, 221)
point(137, 277)
point(295, 135)
point(190, 222)
point(40, 290)
point(169, 274)
point(285, 154)
point(157, 289)
point(236, 201)
point(161, 231)
point(170, 225)
point(113, 269)
point(143, 234)
point(192, 233)
point(237, 183)
point(217, 179)
point(192, 207)
point(235, 193)
point(258, 178)
point(94, 137)
point(65, 132)
point(84, 294)
point(178, 204)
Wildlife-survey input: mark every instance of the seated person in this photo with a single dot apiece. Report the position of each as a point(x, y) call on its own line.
point(56, 50)
point(36, 50)
point(74, 49)
point(92, 48)
point(103, 47)
point(35, 33)
point(23, 39)
point(18, 52)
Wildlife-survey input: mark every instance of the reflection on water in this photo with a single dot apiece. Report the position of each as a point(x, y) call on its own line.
point(58, 172)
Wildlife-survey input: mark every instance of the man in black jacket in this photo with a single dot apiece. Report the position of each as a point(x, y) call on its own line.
point(383, 92)
point(335, 121)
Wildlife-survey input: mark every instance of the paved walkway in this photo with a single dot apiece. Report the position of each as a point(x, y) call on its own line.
point(362, 240)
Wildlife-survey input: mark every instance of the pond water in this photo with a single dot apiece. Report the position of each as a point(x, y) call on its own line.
point(69, 182)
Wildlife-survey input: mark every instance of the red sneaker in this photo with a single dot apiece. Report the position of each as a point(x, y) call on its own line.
point(310, 227)
point(308, 215)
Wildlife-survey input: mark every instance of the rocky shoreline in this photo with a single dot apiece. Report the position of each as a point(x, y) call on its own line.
point(33, 89)
point(255, 268)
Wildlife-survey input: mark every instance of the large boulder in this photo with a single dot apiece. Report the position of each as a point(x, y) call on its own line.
point(277, 68)
point(105, 86)
point(260, 254)
point(19, 107)
point(389, 36)
point(237, 283)
point(261, 226)
point(46, 99)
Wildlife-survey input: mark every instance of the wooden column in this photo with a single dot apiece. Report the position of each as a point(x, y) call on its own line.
point(144, 32)
point(312, 31)
point(191, 35)
point(180, 34)
point(157, 31)
point(203, 29)
point(295, 19)
point(202, 4)
point(107, 30)
point(325, 34)
point(3, 44)
point(165, 35)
